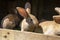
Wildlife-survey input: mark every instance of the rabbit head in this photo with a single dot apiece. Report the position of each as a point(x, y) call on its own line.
point(29, 18)
point(28, 10)
point(26, 13)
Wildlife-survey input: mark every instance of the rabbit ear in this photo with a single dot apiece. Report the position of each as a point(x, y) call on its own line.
point(57, 18)
point(22, 12)
point(57, 9)
point(28, 7)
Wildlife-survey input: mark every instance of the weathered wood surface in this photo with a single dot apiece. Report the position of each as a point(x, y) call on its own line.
point(6, 34)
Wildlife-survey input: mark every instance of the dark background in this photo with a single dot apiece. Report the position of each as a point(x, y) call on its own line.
point(42, 9)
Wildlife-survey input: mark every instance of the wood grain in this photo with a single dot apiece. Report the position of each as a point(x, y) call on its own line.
point(6, 34)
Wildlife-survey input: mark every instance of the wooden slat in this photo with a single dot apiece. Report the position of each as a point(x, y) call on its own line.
point(6, 34)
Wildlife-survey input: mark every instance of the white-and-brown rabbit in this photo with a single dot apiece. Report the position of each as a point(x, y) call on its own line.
point(10, 20)
point(51, 27)
point(30, 22)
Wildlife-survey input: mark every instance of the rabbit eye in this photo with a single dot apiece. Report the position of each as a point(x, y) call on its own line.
point(29, 20)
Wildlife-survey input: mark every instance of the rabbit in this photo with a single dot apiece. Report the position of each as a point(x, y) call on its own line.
point(30, 22)
point(51, 27)
point(10, 20)
point(57, 9)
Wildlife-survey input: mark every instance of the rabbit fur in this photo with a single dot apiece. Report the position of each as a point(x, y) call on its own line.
point(50, 27)
point(10, 20)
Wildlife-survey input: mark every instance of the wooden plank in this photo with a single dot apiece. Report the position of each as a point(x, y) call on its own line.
point(6, 34)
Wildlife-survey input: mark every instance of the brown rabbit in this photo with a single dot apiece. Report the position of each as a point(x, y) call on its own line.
point(51, 27)
point(10, 20)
